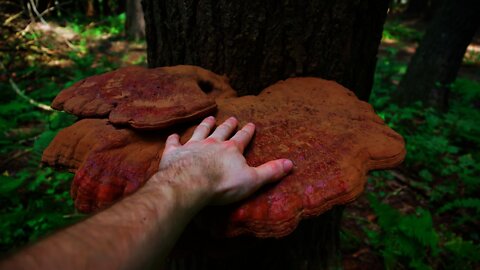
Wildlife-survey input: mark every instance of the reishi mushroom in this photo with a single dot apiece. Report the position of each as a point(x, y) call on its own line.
point(333, 138)
point(145, 98)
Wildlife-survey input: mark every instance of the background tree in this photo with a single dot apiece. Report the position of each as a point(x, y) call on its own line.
point(436, 62)
point(135, 23)
point(256, 43)
point(421, 9)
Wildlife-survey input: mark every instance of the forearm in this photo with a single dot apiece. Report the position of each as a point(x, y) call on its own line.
point(146, 225)
point(123, 236)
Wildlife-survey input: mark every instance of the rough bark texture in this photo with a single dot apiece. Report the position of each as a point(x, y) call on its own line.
point(256, 43)
point(313, 245)
point(135, 22)
point(437, 60)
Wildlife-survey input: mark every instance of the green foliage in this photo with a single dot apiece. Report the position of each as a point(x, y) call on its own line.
point(109, 26)
point(461, 254)
point(35, 200)
point(473, 203)
point(442, 147)
point(442, 165)
point(396, 30)
point(404, 238)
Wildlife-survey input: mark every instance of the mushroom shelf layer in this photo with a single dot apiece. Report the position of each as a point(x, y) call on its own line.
point(145, 98)
point(333, 138)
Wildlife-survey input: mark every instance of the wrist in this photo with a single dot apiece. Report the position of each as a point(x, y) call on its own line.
point(185, 186)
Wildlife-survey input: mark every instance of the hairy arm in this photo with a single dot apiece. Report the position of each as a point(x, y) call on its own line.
point(142, 228)
point(123, 236)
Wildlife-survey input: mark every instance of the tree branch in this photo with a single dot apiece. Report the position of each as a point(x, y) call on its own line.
point(22, 94)
point(408, 182)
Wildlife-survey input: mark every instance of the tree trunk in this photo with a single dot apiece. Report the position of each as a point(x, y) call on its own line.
point(435, 64)
point(256, 43)
point(421, 9)
point(106, 9)
point(121, 6)
point(135, 22)
point(90, 8)
point(313, 245)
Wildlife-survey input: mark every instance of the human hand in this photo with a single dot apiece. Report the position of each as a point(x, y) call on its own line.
point(215, 164)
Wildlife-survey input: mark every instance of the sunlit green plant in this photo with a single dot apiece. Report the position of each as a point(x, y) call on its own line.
point(35, 200)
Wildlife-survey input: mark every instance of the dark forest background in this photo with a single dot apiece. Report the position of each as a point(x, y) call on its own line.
point(422, 215)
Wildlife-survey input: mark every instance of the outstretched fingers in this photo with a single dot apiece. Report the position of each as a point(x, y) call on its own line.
point(223, 131)
point(203, 129)
point(243, 137)
point(273, 170)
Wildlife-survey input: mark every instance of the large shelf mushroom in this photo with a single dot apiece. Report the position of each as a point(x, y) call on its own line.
point(333, 138)
point(145, 98)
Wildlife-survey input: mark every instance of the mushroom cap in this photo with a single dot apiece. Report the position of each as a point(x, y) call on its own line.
point(108, 162)
point(333, 138)
point(145, 98)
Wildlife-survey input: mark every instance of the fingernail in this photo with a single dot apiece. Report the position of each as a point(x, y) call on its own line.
point(210, 117)
point(232, 118)
point(287, 165)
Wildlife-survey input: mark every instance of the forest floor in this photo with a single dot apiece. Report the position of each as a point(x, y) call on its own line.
point(396, 187)
point(38, 60)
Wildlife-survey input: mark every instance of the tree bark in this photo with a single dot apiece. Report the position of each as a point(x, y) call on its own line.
point(90, 8)
point(421, 9)
point(256, 43)
point(135, 22)
point(435, 64)
point(313, 245)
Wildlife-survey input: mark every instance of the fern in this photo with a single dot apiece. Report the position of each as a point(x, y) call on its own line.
point(473, 203)
point(420, 227)
point(404, 239)
point(464, 254)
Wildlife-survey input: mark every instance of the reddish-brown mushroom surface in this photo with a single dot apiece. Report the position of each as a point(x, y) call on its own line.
point(333, 139)
point(145, 98)
point(108, 162)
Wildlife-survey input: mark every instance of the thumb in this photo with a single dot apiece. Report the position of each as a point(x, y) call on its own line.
point(273, 170)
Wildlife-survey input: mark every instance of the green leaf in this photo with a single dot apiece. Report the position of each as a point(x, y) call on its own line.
point(473, 203)
point(9, 184)
point(58, 120)
point(463, 249)
point(43, 141)
point(426, 175)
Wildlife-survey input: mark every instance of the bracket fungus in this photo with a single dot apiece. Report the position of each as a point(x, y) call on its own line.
point(333, 138)
point(145, 98)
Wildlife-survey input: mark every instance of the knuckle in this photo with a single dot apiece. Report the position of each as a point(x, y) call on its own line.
point(233, 146)
point(244, 132)
point(230, 144)
point(201, 127)
point(210, 140)
point(225, 126)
